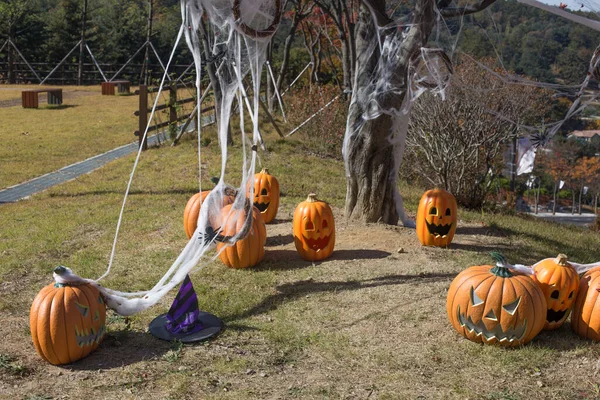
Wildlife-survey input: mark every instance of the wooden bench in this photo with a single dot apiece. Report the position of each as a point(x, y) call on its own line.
point(30, 97)
point(108, 88)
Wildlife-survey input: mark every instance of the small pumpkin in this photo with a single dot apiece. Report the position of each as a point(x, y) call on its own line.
point(492, 305)
point(559, 281)
point(192, 211)
point(436, 218)
point(585, 318)
point(248, 251)
point(314, 229)
point(67, 322)
point(266, 194)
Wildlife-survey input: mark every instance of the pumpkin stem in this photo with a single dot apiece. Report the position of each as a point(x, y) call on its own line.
point(502, 266)
point(312, 197)
point(265, 171)
point(60, 270)
point(561, 260)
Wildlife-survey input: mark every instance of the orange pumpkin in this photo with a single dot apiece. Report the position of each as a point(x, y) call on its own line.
point(192, 211)
point(67, 322)
point(248, 251)
point(493, 305)
point(314, 229)
point(559, 281)
point(585, 318)
point(436, 218)
point(266, 194)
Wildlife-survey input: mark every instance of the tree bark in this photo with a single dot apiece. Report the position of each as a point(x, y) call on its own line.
point(373, 147)
point(580, 195)
point(554, 204)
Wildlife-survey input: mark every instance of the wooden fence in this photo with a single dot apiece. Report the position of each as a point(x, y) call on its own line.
point(172, 105)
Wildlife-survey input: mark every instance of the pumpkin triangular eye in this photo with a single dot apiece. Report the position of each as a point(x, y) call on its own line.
point(433, 211)
point(512, 307)
point(448, 212)
point(475, 300)
point(555, 294)
point(309, 226)
point(491, 315)
point(324, 224)
point(82, 309)
point(263, 192)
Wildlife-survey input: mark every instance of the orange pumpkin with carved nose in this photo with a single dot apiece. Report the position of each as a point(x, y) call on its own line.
point(266, 195)
point(436, 218)
point(314, 229)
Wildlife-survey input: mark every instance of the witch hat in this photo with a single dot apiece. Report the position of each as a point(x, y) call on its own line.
point(184, 321)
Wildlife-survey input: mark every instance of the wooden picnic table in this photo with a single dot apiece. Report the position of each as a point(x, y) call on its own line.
point(30, 99)
point(108, 88)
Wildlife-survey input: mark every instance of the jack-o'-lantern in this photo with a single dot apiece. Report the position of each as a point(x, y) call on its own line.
point(436, 218)
point(585, 318)
point(492, 305)
point(266, 195)
point(67, 321)
point(192, 211)
point(314, 229)
point(559, 281)
point(248, 251)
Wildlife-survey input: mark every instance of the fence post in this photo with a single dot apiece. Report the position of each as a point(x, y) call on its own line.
point(172, 102)
point(143, 109)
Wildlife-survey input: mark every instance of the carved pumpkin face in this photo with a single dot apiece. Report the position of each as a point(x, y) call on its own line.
point(248, 251)
point(67, 322)
point(436, 218)
point(559, 281)
point(266, 195)
point(314, 229)
point(491, 305)
point(585, 318)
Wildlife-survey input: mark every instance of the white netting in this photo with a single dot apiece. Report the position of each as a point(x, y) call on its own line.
point(239, 33)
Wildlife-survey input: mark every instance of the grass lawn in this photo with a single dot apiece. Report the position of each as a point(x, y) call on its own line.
point(370, 322)
point(38, 141)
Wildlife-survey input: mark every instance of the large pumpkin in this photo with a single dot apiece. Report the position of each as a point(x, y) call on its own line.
point(493, 305)
point(248, 251)
point(559, 281)
point(192, 211)
point(436, 218)
point(266, 195)
point(585, 318)
point(314, 229)
point(67, 322)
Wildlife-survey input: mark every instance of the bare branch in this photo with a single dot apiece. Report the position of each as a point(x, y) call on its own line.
point(449, 12)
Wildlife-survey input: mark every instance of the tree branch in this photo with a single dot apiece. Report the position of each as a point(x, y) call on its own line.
point(449, 12)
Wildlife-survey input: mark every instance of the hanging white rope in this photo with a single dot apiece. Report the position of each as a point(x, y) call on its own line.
point(312, 116)
point(295, 80)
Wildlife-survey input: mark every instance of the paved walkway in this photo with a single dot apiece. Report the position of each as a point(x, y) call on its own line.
point(584, 219)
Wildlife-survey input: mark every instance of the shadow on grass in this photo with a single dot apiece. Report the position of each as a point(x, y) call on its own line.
point(359, 254)
point(60, 107)
point(278, 221)
point(122, 348)
point(480, 248)
point(279, 240)
point(562, 339)
point(290, 291)
point(484, 230)
point(281, 260)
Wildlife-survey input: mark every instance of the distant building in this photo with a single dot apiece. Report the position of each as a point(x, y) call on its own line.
point(586, 136)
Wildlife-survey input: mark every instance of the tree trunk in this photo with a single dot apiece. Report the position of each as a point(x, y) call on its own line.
point(82, 43)
point(596, 203)
point(289, 40)
point(573, 204)
point(373, 147)
point(580, 195)
point(536, 195)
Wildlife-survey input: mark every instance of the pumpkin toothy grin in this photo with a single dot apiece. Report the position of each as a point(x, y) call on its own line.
point(439, 230)
point(262, 207)
point(88, 337)
point(514, 334)
point(555, 316)
point(317, 244)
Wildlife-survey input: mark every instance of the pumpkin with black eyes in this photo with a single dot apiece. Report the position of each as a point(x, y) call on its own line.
point(492, 305)
point(559, 281)
point(585, 318)
point(314, 229)
point(436, 218)
point(248, 251)
point(266, 195)
point(67, 322)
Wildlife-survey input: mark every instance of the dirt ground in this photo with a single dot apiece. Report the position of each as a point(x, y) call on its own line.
point(369, 323)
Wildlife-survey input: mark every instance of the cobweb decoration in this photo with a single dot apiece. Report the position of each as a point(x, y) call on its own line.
point(240, 31)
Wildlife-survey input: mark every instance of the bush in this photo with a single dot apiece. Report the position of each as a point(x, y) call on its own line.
point(324, 134)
